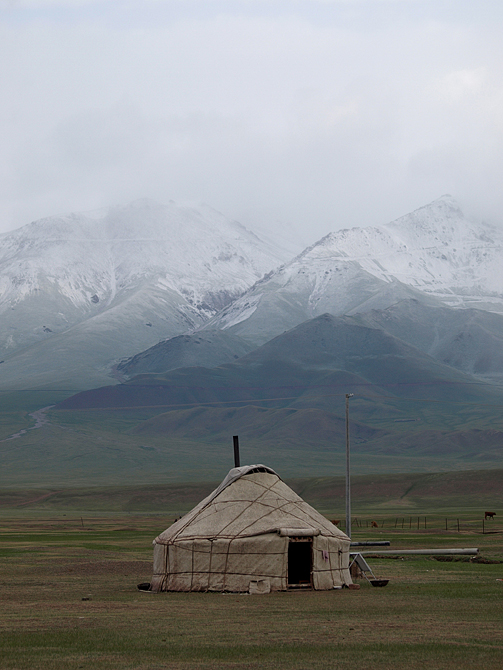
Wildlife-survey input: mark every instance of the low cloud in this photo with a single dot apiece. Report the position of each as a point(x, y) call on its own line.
point(266, 114)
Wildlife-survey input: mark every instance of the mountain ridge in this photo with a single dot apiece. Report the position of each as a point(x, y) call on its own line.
point(359, 269)
point(72, 309)
point(155, 270)
point(326, 350)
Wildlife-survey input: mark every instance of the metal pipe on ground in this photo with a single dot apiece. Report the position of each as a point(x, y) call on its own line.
point(377, 543)
point(423, 552)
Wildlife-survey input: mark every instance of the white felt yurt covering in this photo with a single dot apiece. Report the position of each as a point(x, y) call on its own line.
point(240, 538)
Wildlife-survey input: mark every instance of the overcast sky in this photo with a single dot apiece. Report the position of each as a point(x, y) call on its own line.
point(314, 114)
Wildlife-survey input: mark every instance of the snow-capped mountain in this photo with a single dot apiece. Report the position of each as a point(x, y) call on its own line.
point(435, 254)
point(117, 281)
point(78, 293)
point(435, 249)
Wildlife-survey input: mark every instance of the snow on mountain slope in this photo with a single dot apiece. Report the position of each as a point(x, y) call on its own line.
point(435, 249)
point(306, 288)
point(130, 275)
point(434, 254)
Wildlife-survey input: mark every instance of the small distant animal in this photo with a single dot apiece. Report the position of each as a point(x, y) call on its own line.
point(374, 524)
point(490, 515)
point(336, 522)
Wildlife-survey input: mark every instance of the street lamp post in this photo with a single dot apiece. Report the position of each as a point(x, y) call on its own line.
point(348, 479)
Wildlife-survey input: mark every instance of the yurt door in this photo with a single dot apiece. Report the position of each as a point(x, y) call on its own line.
point(300, 562)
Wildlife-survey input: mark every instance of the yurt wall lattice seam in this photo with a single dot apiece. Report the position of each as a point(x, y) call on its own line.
point(210, 573)
point(192, 569)
point(226, 563)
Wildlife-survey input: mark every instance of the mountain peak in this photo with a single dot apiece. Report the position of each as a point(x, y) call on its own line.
point(435, 254)
point(132, 275)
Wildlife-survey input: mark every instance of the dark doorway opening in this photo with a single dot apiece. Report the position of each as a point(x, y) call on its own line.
point(300, 562)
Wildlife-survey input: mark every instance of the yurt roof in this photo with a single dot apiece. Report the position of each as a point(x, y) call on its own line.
point(252, 500)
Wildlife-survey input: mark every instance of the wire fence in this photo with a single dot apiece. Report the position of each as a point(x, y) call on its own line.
point(484, 525)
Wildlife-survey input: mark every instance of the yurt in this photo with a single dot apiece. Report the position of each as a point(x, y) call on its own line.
point(252, 534)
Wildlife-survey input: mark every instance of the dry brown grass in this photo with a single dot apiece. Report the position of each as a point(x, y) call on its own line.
point(432, 614)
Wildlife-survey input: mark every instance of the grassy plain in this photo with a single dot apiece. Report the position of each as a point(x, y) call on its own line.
point(391, 496)
point(75, 448)
point(71, 448)
point(69, 597)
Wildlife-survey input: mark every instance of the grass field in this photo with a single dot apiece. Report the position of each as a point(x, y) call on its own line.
point(393, 495)
point(130, 447)
point(69, 599)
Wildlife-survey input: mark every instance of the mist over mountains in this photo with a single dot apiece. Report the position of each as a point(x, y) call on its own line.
point(191, 328)
point(90, 298)
point(407, 279)
point(82, 291)
point(435, 255)
point(81, 294)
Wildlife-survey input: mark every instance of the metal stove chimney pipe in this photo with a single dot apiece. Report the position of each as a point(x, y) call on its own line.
point(236, 451)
